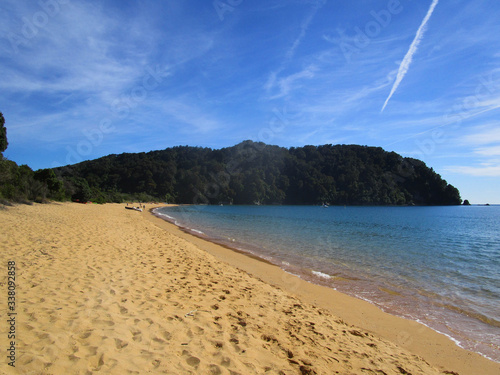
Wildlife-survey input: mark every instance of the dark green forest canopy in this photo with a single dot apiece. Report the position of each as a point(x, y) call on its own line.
point(256, 173)
point(3, 134)
point(20, 183)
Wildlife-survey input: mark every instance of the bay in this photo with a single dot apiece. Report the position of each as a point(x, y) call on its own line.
point(437, 265)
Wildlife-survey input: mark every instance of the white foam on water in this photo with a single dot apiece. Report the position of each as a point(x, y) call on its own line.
point(321, 274)
point(164, 215)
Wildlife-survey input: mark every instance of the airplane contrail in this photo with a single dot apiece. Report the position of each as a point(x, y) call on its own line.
point(405, 64)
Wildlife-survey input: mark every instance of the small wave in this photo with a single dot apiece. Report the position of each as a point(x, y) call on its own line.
point(197, 231)
point(321, 274)
point(157, 213)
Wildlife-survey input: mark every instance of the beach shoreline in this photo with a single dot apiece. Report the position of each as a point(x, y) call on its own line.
point(459, 325)
point(105, 289)
point(429, 343)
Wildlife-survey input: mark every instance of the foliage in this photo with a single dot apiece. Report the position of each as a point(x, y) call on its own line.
point(255, 173)
point(21, 184)
point(3, 134)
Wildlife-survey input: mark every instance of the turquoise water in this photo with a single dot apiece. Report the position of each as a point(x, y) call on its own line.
point(437, 265)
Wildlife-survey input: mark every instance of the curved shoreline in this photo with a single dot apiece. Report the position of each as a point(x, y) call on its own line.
point(119, 291)
point(368, 290)
point(432, 345)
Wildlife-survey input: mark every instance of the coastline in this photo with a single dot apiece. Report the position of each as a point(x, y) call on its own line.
point(437, 348)
point(105, 289)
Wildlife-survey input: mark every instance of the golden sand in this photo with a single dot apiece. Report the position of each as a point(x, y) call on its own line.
point(107, 290)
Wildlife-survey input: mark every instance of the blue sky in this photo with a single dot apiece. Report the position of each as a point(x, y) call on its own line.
point(83, 79)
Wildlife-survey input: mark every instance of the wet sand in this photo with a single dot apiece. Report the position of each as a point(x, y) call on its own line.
point(104, 289)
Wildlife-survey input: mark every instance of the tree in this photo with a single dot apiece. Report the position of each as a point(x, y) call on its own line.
point(254, 172)
point(3, 134)
point(82, 193)
point(48, 178)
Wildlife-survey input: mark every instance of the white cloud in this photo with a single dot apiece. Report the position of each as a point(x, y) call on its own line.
point(272, 79)
point(480, 171)
point(488, 151)
point(482, 135)
point(191, 117)
point(483, 141)
point(288, 83)
point(87, 62)
point(303, 29)
point(77, 50)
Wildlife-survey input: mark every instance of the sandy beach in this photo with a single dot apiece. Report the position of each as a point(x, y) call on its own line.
point(102, 289)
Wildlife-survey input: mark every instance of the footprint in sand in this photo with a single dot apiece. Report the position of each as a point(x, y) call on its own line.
point(42, 336)
point(108, 323)
point(137, 336)
point(120, 344)
point(90, 351)
point(159, 340)
point(225, 361)
point(193, 361)
point(214, 370)
point(198, 330)
point(100, 363)
point(166, 335)
point(86, 334)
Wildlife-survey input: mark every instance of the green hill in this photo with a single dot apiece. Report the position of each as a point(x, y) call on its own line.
point(250, 173)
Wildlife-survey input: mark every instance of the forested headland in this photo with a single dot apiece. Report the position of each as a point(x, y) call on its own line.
point(248, 173)
point(256, 173)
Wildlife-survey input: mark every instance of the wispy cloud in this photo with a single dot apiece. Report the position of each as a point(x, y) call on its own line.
point(303, 29)
point(74, 53)
point(479, 171)
point(485, 134)
point(87, 65)
point(290, 53)
point(489, 151)
point(189, 116)
point(484, 143)
point(405, 64)
point(288, 83)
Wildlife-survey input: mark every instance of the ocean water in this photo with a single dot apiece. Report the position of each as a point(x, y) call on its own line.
point(437, 265)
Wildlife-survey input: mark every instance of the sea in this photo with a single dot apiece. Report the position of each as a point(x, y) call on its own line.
point(439, 266)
